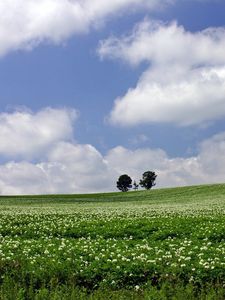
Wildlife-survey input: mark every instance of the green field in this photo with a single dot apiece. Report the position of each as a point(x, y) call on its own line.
point(158, 244)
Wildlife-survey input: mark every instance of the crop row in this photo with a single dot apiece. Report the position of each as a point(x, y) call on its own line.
point(114, 247)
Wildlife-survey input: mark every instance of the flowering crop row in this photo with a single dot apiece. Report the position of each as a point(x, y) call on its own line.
point(112, 244)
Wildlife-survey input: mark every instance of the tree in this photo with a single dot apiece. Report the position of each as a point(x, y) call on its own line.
point(148, 180)
point(124, 183)
point(135, 186)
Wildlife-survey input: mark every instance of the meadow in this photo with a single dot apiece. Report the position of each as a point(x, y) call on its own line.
point(157, 244)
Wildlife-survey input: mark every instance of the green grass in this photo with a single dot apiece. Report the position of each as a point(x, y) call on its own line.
point(158, 244)
point(184, 195)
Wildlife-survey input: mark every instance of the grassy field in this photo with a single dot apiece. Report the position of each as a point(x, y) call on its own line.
point(158, 244)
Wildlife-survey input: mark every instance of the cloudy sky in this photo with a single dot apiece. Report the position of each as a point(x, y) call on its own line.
point(92, 89)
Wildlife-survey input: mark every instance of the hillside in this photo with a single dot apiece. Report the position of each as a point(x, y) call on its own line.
point(192, 197)
point(157, 244)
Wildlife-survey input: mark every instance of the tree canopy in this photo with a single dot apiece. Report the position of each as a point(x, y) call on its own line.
point(148, 180)
point(124, 183)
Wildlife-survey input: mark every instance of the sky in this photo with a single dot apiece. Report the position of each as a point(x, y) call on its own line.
point(92, 89)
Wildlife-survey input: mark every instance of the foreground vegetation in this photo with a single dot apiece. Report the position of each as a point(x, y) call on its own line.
point(159, 244)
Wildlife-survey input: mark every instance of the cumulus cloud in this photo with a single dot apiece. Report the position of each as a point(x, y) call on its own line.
point(165, 44)
point(41, 155)
point(27, 134)
point(206, 167)
point(26, 23)
point(75, 168)
point(188, 97)
point(184, 83)
point(79, 168)
point(70, 168)
point(23, 178)
point(64, 166)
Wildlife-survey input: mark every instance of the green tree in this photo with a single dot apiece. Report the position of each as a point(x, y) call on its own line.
point(135, 185)
point(124, 183)
point(148, 180)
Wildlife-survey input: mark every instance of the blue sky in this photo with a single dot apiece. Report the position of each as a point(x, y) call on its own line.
point(57, 58)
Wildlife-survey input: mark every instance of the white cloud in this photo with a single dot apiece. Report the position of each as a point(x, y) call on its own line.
point(26, 23)
point(206, 167)
point(64, 166)
point(23, 178)
point(79, 168)
point(74, 168)
point(27, 134)
point(70, 168)
point(185, 81)
point(47, 158)
point(167, 44)
point(191, 97)
point(139, 139)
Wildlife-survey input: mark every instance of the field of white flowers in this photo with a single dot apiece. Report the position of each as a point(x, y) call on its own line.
point(131, 241)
